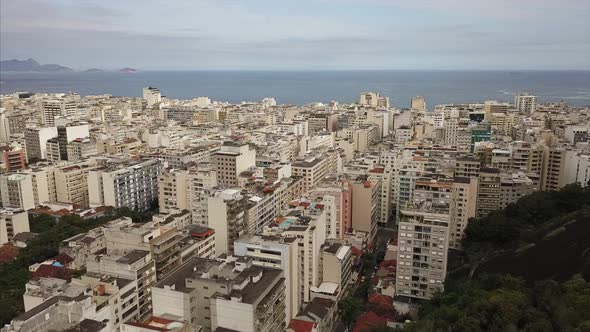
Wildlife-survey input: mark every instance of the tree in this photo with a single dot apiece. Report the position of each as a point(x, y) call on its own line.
point(349, 308)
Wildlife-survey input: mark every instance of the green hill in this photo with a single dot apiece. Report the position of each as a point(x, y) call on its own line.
point(524, 268)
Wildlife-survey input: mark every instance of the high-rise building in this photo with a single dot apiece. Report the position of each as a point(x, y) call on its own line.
point(16, 191)
point(312, 170)
point(552, 175)
point(525, 102)
point(232, 159)
point(125, 184)
point(279, 253)
point(223, 294)
point(419, 104)
point(366, 201)
point(373, 99)
point(152, 96)
point(13, 159)
point(137, 266)
point(488, 191)
point(12, 222)
point(463, 206)
point(36, 142)
point(423, 240)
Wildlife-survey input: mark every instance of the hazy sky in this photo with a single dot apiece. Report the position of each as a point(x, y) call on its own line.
point(299, 34)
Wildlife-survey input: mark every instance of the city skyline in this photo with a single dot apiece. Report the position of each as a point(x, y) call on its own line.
point(299, 35)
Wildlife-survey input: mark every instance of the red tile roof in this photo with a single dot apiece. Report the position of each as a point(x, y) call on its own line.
point(298, 325)
point(64, 259)
point(381, 299)
point(368, 320)
point(8, 252)
point(50, 271)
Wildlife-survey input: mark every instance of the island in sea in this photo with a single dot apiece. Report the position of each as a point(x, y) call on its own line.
point(31, 65)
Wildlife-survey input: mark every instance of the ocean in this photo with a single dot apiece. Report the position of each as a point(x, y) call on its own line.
point(301, 87)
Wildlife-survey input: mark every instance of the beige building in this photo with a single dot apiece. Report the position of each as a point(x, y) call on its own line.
point(228, 213)
point(553, 168)
point(173, 190)
point(488, 191)
point(232, 159)
point(419, 104)
point(279, 253)
point(312, 170)
point(225, 293)
point(81, 148)
point(161, 241)
point(12, 222)
point(71, 183)
point(463, 206)
point(136, 266)
point(366, 209)
point(373, 99)
point(336, 261)
point(467, 166)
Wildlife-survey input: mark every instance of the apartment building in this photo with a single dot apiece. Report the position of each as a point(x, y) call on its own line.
point(423, 241)
point(514, 186)
point(280, 253)
point(341, 192)
point(306, 222)
point(336, 262)
point(80, 148)
point(373, 99)
point(152, 96)
point(525, 102)
point(13, 159)
point(366, 205)
point(36, 142)
point(136, 266)
point(232, 159)
point(463, 206)
point(71, 183)
point(161, 241)
point(201, 182)
point(312, 170)
point(16, 191)
point(125, 184)
point(173, 190)
point(488, 191)
point(226, 293)
point(467, 166)
point(552, 175)
point(12, 222)
point(228, 215)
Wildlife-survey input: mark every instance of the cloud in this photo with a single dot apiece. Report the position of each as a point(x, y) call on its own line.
point(303, 34)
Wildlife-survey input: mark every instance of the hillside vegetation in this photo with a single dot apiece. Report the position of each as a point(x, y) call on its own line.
point(524, 268)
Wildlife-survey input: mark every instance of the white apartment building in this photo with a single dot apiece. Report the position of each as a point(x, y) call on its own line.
point(423, 241)
point(130, 184)
point(525, 102)
point(152, 96)
point(16, 191)
point(279, 253)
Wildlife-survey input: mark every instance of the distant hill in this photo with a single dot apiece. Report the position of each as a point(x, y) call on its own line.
point(94, 70)
point(31, 65)
point(127, 70)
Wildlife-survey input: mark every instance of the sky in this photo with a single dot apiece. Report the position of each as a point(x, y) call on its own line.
point(298, 34)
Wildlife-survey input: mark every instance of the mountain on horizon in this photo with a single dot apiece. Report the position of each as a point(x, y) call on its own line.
point(31, 65)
